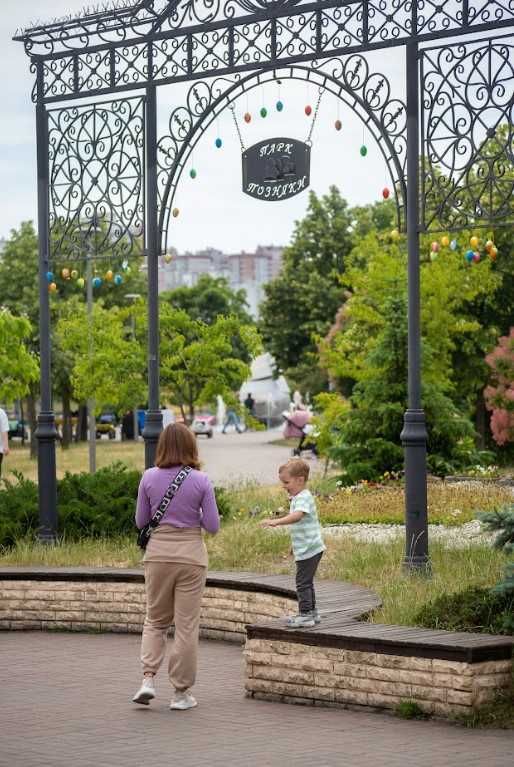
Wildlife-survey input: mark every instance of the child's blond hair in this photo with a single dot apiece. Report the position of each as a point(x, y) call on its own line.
point(296, 467)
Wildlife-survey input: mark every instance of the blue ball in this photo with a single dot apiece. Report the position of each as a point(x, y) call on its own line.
point(454, 244)
point(218, 143)
point(118, 279)
point(280, 106)
point(50, 276)
point(97, 281)
point(469, 255)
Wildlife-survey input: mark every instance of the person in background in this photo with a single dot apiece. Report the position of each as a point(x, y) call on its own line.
point(232, 418)
point(175, 563)
point(249, 403)
point(4, 437)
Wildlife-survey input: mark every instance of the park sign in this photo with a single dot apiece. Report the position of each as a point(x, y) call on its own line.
point(276, 169)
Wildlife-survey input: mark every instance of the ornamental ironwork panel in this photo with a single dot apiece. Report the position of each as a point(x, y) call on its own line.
point(368, 94)
point(162, 42)
point(467, 125)
point(96, 163)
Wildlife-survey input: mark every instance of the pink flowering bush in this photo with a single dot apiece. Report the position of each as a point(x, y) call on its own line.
point(499, 395)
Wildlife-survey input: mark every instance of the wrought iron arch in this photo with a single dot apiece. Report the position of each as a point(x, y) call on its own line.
point(368, 94)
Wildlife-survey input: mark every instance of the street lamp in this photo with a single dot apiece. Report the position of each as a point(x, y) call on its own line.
point(134, 297)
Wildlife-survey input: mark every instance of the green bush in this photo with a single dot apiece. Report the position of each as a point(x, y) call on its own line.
point(483, 610)
point(90, 505)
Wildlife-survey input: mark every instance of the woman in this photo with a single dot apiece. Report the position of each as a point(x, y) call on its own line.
point(175, 563)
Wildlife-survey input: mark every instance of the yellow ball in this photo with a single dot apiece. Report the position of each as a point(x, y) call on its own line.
point(395, 234)
point(109, 275)
point(445, 241)
point(65, 274)
point(167, 257)
point(52, 287)
point(175, 212)
point(81, 282)
point(473, 241)
point(74, 274)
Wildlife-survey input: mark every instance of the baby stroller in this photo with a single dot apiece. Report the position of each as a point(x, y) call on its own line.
point(297, 425)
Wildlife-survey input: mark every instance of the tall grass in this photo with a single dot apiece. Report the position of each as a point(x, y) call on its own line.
point(243, 545)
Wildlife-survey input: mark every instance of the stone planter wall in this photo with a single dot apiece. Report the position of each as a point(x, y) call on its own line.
point(120, 607)
point(294, 673)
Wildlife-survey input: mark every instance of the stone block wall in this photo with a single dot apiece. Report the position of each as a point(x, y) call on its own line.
point(120, 607)
point(296, 673)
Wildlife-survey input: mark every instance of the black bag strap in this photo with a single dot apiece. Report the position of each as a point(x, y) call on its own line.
point(170, 493)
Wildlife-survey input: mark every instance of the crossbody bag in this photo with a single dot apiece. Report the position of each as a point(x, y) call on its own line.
point(144, 534)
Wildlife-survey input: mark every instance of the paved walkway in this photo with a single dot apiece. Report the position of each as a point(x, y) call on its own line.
point(65, 702)
point(247, 457)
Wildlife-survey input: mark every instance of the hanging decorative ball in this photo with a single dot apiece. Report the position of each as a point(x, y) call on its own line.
point(435, 247)
point(263, 112)
point(395, 234)
point(81, 282)
point(489, 245)
point(167, 258)
point(50, 276)
point(476, 257)
point(493, 253)
point(192, 173)
point(308, 110)
point(118, 279)
point(364, 150)
point(338, 125)
point(175, 212)
point(74, 274)
point(218, 143)
point(469, 256)
point(279, 105)
point(127, 270)
point(445, 241)
point(97, 281)
point(247, 117)
point(52, 287)
point(65, 273)
point(433, 256)
point(109, 275)
point(385, 193)
point(454, 244)
point(473, 241)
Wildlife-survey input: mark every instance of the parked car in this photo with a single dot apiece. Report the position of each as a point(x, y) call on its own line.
point(203, 424)
point(17, 428)
point(106, 424)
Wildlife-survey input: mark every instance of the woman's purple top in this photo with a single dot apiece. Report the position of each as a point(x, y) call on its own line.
point(194, 504)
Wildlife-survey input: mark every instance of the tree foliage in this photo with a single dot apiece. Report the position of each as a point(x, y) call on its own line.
point(18, 365)
point(209, 299)
point(499, 395)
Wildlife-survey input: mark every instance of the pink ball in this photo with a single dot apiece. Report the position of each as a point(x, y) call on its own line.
point(476, 257)
point(435, 247)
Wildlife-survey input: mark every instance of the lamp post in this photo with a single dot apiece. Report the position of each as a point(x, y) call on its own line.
point(134, 297)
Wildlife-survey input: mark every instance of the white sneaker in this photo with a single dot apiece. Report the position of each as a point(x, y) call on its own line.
point(182, 701)
point(146, 692)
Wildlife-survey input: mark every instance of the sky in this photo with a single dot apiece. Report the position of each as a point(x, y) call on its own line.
point(214, 212)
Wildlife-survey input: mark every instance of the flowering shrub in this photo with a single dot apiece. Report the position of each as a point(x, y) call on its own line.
point(499, 396)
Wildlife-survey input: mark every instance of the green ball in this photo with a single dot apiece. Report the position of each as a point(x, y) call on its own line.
point(192, 173)
point(264, 112)
point(364, 150)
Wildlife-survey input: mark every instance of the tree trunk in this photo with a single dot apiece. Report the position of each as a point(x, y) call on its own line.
point(81, 430)
point(67, 428)
point(481, 422)
point(32, 419)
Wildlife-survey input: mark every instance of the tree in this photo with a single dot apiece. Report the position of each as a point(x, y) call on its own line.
point(197, 361)
point(18, 365)
point(210, 298)
point(301, 303)
point(499, 395)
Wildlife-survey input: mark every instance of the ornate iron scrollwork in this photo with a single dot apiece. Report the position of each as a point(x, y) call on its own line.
point(96, 179)
point(468, 110)
point(367, 93)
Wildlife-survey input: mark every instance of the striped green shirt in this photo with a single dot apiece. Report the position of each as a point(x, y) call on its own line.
point(306, 533)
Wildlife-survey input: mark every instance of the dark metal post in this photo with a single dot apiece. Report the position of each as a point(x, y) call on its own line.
point(414, 435)
point(46, 433)
point(153, 422)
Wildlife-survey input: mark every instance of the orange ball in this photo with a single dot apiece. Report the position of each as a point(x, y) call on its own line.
point(489, 245)
point(52, 287)
point(247, 117)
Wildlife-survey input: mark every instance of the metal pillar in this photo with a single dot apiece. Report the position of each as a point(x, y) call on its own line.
point(91, 404)
point(414, 435)
point(153, 422)
point(46, 432)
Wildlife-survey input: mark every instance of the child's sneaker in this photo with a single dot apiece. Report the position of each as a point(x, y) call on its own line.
point(146, 692)
point(181, 701)
point(316, 616)
point(300, 621)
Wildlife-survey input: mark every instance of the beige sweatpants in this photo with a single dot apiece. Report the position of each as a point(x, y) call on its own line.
point(173, 595)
